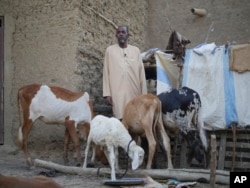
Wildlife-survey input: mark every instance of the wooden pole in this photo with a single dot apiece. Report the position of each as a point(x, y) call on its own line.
point(222, 177)
point(213, 161)
point(234, 145)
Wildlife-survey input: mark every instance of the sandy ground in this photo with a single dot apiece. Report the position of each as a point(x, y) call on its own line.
point(14, 164)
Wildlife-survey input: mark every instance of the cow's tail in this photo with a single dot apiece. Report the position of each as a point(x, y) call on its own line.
point(154, 127)
point(202, 131)
point(156, 121)
point(203, 137)
point(20, 132)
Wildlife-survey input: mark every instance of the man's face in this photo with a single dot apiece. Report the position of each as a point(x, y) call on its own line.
point(122, 35)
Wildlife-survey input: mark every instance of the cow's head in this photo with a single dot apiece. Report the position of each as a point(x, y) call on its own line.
point(177, 43)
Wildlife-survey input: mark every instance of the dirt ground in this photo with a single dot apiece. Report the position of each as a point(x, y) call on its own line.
point(14, 164)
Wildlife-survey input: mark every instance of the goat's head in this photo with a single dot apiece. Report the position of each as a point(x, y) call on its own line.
point(177, 43)
point(136, 153)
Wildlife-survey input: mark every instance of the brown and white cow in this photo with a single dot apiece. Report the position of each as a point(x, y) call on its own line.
point(143, 117)
point(53, 104)
point(24, 182)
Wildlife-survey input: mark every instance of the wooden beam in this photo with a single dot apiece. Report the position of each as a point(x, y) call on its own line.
point(222, 177)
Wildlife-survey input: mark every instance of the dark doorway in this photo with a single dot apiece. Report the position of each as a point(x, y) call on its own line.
point(1, 80)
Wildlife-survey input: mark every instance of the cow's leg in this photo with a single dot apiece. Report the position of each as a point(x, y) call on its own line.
point(106, 153)
point(66, 146)
point(70, 125)
point(93, 153)
point(86, 152)
point(151, 140)
point(100, 155)
point(167, 147)
point(112, 159)
point(151, 148)
point(25, 130)
point(166, 141)
point(116, 158)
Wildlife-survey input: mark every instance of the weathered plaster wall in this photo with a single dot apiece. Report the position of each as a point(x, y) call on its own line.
point(226, 21)
point(97, 34)
point(63, 42)
point(60, 43)
point(45, 40)
point(8, 77)
point(43, 46)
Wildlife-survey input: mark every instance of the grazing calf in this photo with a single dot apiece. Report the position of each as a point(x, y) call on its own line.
point(110, 133)
point(181, 108)
point(143, 117)
point(52, 105)
point(23, 182)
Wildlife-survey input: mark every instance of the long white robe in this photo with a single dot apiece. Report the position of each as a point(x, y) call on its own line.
point(123, 76)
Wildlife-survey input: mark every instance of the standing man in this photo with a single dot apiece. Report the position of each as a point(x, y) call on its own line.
point(123, 73)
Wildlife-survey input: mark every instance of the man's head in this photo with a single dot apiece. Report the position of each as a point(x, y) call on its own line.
point(122, 34)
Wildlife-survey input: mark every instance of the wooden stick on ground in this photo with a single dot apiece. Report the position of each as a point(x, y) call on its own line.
point(222, 177)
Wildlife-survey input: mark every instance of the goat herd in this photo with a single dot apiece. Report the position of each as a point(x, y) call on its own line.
point(148, 116)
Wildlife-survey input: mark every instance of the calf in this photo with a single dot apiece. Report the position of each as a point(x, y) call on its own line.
point(142, 117)
point(52, 105)
point(110, 134)
point(180, 108)
point(23, 182)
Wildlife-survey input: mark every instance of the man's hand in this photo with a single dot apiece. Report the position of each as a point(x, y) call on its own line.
point(109, 100)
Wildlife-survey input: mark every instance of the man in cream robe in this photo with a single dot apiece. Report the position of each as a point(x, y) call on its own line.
point(123, 73)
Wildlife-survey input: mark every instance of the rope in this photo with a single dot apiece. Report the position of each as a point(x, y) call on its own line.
point(126, 169)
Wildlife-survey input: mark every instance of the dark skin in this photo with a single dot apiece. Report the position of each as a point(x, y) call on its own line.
point(122, 35)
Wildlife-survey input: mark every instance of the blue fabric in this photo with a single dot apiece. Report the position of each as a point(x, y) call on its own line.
point(185, 70)
point(229, 89)
point(162, 76)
